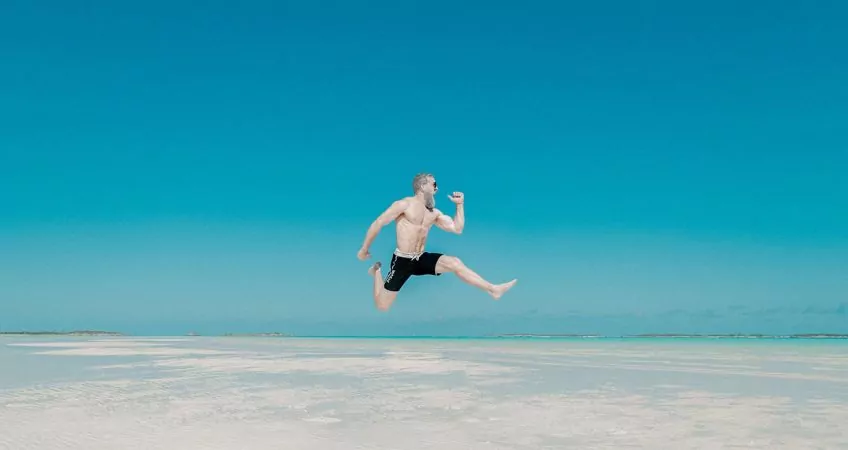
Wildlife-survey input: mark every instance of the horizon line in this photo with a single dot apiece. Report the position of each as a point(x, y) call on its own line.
point(101, 333)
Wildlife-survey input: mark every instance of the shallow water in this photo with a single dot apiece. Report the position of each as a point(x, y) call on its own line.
point(222, 393)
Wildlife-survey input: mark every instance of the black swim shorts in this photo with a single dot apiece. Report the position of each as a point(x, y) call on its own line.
point(402, 268)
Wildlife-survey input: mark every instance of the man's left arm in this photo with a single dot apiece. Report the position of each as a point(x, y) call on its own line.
point(457, 223)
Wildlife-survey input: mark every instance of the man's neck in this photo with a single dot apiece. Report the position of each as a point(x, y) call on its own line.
point(422, 198)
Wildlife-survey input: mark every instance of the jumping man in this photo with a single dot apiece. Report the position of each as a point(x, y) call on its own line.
point(414, 216)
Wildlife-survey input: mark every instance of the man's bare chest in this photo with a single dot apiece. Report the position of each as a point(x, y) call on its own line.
point(421, 218)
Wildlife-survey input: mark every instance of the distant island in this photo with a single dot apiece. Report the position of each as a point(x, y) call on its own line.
point(273, 334)
point(62, 333)
point(751, 336)
point(701, 336)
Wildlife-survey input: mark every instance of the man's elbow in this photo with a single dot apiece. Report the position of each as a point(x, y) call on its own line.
point(457, 230)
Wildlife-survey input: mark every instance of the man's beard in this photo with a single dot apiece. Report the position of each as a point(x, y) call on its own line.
point(430, 201)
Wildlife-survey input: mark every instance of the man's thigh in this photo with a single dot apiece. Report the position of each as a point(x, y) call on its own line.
point(427, 264)
point(396, 277)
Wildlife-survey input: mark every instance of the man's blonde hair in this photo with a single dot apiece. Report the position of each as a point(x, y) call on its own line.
point(420, 180)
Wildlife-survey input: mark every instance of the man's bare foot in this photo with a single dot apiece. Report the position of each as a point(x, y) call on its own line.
point(499, 289)
point(374, 268)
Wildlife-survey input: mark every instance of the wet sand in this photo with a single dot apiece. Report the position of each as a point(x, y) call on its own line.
point(271, 393)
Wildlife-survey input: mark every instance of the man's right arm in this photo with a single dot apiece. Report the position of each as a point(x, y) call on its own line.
point(391, 213)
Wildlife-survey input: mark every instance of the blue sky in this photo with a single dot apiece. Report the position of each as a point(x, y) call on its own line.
point(657, 167)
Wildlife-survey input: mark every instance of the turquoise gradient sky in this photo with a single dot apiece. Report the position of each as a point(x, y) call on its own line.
point(651, 167)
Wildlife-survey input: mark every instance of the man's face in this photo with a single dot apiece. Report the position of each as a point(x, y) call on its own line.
point(430, 188)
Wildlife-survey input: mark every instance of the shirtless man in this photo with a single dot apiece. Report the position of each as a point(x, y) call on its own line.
point(414, 216)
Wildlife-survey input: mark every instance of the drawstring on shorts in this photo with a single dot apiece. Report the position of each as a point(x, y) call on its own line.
point(412, 256)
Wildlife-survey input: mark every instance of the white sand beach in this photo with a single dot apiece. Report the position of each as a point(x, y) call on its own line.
point(398, 394)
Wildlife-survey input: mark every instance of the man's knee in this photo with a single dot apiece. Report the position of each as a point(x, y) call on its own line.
point(383, 306)
point(384, 300)
point(450, 263)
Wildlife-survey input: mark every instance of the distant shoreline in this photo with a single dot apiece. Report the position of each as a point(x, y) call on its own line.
point(61, 333)
point(491, 336)
point(273, 334)
point(678, 336)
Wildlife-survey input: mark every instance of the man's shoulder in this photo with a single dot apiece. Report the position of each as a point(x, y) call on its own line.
point(437, 212)
point(405, 201)
point(402, 203)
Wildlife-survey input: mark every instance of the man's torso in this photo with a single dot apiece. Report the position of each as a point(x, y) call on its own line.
point(413, 225)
